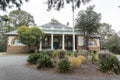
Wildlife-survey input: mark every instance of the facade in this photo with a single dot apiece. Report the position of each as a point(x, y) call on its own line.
point(57, 36)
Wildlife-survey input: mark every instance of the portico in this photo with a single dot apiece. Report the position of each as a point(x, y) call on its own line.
point(57, 36)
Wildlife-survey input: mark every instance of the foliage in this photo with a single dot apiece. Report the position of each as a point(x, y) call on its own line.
point(75, 62)
point(58, 54)
point(64, 66)
point(4, 27)
point(94, 57)
point(105, 31)
point(61, 54)
point(88, 21)
point(110, 64)
point(58, 4)
point(33, 58)
point(44, 62)
point(48, 52)
point(30, 36)
point(10, 3)
point(75, 53)
point(82, 58)
point(55, 53)
point(21, 18)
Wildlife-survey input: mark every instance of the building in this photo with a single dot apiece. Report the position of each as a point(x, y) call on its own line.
point(57, 36)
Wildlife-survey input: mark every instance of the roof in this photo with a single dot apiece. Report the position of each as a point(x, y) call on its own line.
point(12, 33)
point(54, 24)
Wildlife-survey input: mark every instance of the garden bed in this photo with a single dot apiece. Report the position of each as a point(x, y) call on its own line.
point(86, 69)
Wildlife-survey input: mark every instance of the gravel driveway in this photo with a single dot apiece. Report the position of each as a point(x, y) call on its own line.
point(13, 67)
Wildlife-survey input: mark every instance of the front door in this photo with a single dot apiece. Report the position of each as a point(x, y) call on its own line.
point(56, 43)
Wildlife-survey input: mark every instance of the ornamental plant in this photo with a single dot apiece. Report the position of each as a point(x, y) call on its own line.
point(109, 64)
point(64, 66)
point(74, 61)
point(32, 59)
point(44, 61)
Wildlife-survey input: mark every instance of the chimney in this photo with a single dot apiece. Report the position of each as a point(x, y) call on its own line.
point(67, 23)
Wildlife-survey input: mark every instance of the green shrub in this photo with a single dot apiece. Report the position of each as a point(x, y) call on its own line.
point(94, 57)
point(61, 54)
point(32, 59)
point(44, 61)
point(64, 66)
point(58, 54)
point(109, 64)
point(75, 53)
point(48, 52)
point(55, 53)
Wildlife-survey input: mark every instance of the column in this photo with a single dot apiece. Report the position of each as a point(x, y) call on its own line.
point(40, 49)
point(63, 41)
point(73, 42)
point(52, 41)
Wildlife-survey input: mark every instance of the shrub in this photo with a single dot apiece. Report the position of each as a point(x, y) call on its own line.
point(75, 53)
point(74, 62)
point(48, 52)
point(94, 57)
point(61, 54)
point(68, 53)
point(109, 64)
point(55, 54)
point(83, 59)
point(44, 61)
point(32, 59)
point(64, 66)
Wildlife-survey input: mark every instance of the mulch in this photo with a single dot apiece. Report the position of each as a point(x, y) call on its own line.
point(86, 69)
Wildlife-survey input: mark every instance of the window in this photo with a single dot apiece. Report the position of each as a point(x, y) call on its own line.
point(17, 42)
point(92, 43)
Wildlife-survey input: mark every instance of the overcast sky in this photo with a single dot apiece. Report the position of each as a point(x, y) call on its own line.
point(108, 8)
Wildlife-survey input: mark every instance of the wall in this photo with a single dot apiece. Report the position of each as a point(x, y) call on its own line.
point(19, 48)
point(80, 43)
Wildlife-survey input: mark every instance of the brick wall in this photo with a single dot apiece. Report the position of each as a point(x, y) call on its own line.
point(18, 49)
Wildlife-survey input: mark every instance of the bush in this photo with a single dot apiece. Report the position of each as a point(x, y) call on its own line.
point(75, 53)
point(44, 61)
point(61, 54)
point(32, 59)
point(55, 54)
point(74, 61)
point(94, 57)
point(109, 64)
point(82, 58)
point(64, 66)
point(48, 52)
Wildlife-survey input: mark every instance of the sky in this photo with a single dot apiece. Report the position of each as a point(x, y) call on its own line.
point(108, 8)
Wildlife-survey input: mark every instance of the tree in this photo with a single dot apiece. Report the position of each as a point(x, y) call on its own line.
point(106, 32)
point(112, 44)
point(88, 21)
point(30, 36)
point(58, 4)
point(21, 18)
point(4, 27)
point(10, 3)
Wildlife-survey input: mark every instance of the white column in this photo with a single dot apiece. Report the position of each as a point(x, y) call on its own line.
point(40, 49)
point(63, 41)
point(52, 41)
point(73, 41)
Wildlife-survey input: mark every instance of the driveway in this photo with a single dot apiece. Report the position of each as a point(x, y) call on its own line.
point(13, 67)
